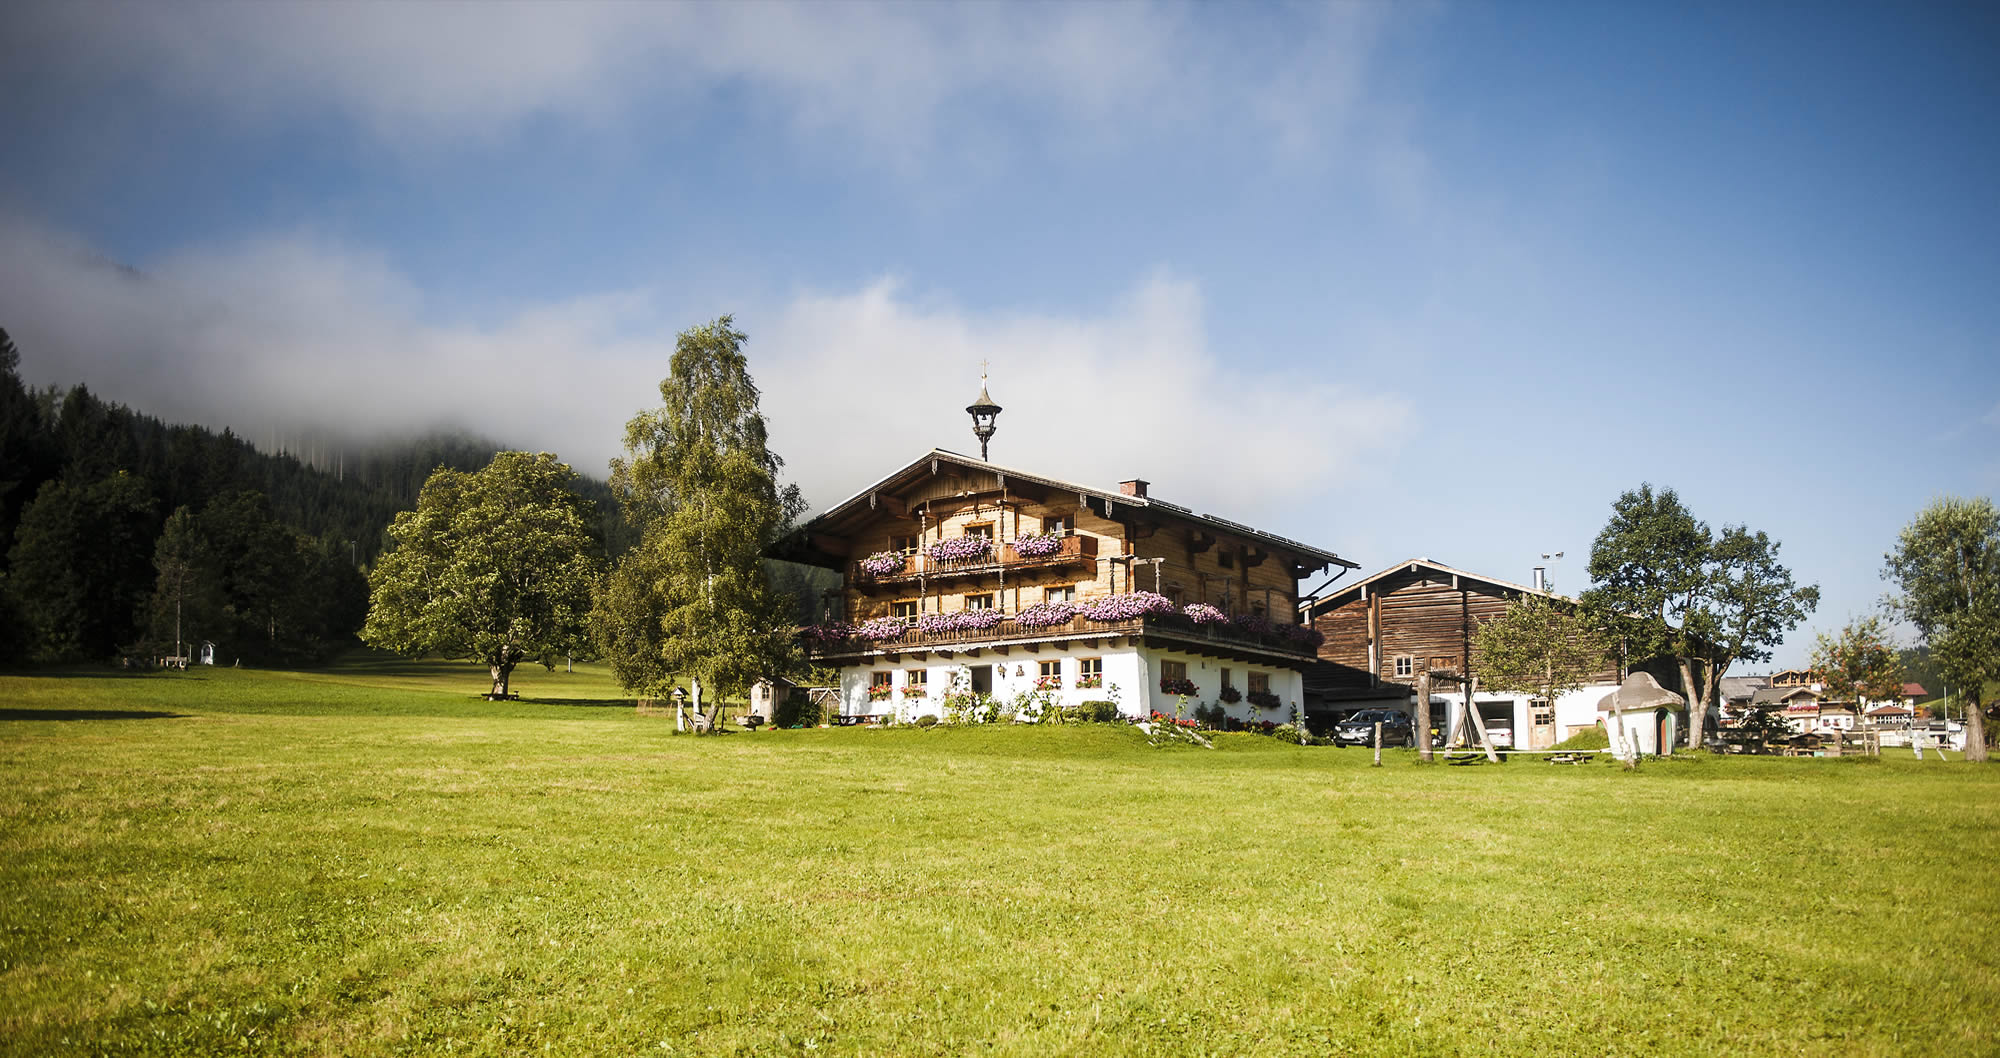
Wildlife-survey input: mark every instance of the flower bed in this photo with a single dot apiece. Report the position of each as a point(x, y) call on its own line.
point(832, 632)
point(1048, 683)
point(884, 564)
point(1046, 615)
point(1185, 688)
point(1126, 607)
point(1254, 623)
point(1264, 699)
point(1305, 636)
point(1202, 613)
point(1038, 545)
point(961, 548)
point(1230, 695)
point(878, 692)
point(1087, 683)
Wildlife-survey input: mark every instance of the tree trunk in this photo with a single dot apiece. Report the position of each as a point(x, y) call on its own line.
point(1423, 732)
point(1975, 731)
point(502, 671)
point(1696, 710)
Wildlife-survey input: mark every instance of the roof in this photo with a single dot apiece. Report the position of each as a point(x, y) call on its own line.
point(1109, 500)
point(1639, 691)
point(1777, 695)
point(1914, 690)
point(1346, 591)
point(1889, 710)
point(1738, 688)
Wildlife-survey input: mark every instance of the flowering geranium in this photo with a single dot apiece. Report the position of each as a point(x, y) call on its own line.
point(881, 628)
point(1182, 687)
point(961, 547)
point(883, 564)
point(1230, 695)
point(1046, 615)
point(1086, 683)
point(1048, 683)
point(1037, 545)
point(878, 692)
point(915, 690)
point(1303, 635)
point(1202, 613)
point(1177, 721)
point(1126, 607)
point(1264, 699)
point(1254, 623)
point(963, 621)
point(831, 632)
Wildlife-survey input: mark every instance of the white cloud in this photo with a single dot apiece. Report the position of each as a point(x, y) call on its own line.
point(894, 76)
point(294, 335)
point(858, 384)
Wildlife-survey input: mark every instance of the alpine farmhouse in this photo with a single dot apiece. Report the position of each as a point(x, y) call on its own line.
point(963, 575)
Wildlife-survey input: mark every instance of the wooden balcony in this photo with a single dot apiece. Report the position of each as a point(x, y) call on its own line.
point(1167, 630)
point(1075, 548)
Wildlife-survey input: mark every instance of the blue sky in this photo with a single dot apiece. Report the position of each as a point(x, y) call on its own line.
point(1397, 279)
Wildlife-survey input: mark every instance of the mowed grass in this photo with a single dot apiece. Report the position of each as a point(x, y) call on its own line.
point(372, 860)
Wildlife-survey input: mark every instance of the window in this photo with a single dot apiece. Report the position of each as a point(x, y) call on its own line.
point(1445, 661)
point(1062, 523)
point(1225, 560)
point(905, 544)
point(1175, 594)
point(1226, 681)
point(1050, 677)
point(1260, 683)
point(984, 529)
point(916, 683)
point(1173, 670)
point(979, 602)
point(905, 611)
point(1060, 593)
point(878, 678)
point(1090, 672)
point(1405, 665)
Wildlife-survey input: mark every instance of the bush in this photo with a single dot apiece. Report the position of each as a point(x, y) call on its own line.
point(1212, 717)
point(1285, 733)
point(1595, 738)
point(927, 720)
point(797, 710)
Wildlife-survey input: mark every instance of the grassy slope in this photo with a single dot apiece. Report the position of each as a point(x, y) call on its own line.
point(376, 861)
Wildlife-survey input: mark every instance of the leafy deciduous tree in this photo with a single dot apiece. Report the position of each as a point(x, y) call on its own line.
point(1861, 661)
point(1947, 565)
point(496, 565)
point(1669, 587)
point(1538, 647)
point(693, 599)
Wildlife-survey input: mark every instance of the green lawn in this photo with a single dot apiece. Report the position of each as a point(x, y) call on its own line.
point(373, 860)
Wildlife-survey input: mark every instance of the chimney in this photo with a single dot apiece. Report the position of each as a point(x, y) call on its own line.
point(1541, 578)
point(1134, 487)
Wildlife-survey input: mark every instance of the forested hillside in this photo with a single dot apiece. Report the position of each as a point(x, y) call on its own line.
point(116, 523)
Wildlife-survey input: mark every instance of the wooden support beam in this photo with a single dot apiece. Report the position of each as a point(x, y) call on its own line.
point(975, 652)
point(1253, 559)
point(1002, 651)
point(921, 655)
point(1032, 648)
point(1198, 541)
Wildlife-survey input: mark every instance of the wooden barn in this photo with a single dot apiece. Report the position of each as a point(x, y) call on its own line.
point(1419, 616)
point(964, 573)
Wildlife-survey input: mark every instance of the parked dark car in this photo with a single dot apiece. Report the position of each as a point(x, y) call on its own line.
point(1359, 729)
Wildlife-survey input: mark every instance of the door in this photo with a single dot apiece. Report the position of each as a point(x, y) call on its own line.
point(1543, 730)
point(982, 679)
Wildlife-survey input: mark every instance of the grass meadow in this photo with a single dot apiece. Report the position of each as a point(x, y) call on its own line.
point(372, 860)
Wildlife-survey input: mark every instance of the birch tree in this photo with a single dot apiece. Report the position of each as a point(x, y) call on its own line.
point(1947, 565)
point(692, 601)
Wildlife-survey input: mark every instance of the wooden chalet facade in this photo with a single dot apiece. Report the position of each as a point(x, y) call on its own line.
point(1420, 616)
point(960, 572)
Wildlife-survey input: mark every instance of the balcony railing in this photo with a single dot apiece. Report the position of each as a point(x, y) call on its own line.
point(1075, 548)
point(1008, 629)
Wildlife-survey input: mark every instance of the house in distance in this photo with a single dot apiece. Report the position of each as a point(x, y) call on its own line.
point(964, 574)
